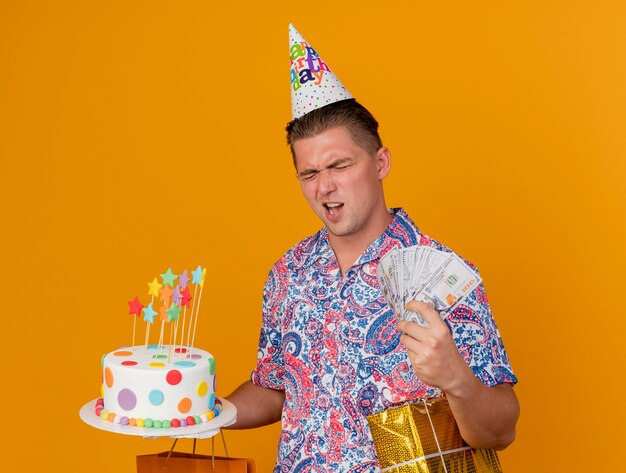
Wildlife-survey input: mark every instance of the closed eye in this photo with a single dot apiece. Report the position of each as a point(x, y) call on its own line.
point(339, 165)
point(307, 175)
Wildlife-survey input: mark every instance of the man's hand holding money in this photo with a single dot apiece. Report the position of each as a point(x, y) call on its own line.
point(486, 416)
point(432, 351)
point(423, 285)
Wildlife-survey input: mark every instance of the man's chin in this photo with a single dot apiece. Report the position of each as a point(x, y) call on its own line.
point(338, 230)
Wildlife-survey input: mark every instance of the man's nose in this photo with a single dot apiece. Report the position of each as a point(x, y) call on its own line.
point(326, 181)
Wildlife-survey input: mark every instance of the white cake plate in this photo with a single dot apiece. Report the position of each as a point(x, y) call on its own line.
point(204, 430)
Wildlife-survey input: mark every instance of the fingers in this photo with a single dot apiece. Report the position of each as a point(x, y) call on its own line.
point(410, 343)
point(426, 311)
point(431, 349)
point(411, 329)
point(430, 315)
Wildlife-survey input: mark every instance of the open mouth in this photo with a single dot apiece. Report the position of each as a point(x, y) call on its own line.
point(332, 208)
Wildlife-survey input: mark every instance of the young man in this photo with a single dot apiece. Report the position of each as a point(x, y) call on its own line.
point(331, 351)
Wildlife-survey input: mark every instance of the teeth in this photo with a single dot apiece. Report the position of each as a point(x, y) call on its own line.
point(332, 207)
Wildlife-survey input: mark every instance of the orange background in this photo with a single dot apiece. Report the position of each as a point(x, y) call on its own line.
point(140, 135)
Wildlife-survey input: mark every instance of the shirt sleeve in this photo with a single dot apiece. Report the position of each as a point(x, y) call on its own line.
point(269, 371)
point(478, 339)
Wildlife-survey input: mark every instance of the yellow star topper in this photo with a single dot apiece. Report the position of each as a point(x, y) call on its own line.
point(155, 287)
point(203, 275)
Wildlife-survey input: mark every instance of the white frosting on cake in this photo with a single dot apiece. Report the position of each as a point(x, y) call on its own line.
point(142, 383)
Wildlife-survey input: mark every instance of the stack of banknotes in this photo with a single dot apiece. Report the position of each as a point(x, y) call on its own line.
point(441, 279)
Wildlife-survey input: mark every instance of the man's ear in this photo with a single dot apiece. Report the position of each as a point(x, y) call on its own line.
point(383, 162)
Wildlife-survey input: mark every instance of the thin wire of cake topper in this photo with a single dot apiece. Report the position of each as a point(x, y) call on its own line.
point(172, 299)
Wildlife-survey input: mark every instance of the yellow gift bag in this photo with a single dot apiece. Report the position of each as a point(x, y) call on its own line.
point(424, 438)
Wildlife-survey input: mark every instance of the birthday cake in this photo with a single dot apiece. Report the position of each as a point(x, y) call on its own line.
point(158, 385)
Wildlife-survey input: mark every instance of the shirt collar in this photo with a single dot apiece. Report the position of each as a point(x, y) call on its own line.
point(400, 232)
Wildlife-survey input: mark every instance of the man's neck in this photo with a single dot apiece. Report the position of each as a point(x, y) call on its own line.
point(348, 248)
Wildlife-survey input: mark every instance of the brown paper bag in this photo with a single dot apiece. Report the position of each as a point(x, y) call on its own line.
point(179, 462)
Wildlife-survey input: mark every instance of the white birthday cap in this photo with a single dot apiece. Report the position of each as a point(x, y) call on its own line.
point(313, 84)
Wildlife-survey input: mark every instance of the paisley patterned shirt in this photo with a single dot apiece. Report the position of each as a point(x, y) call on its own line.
point(330, 342)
